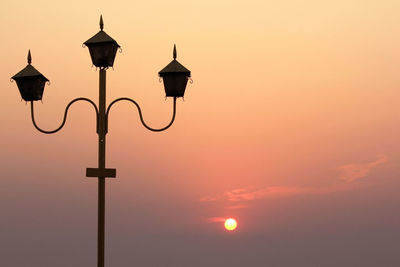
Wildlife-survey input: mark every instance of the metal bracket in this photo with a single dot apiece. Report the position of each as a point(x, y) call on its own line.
point(104, 173)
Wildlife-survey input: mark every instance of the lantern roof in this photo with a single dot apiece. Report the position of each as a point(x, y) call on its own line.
point(174, 66)
point(29, 70)
point(101, 36)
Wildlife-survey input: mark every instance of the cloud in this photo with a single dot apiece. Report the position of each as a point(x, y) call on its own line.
point(356, 171)
point(349, 173)
point(216, 219)
point(241, 195)
point(244, 194)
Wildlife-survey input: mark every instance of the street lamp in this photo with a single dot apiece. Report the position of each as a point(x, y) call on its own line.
point(30, 82)
point(102, 50)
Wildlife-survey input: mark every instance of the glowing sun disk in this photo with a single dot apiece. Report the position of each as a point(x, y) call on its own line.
point(230, 224)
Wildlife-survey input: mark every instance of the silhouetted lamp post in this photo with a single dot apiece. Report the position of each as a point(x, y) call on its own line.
point(102, 50)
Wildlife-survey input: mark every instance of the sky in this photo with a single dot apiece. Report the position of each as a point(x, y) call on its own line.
point(290, 126)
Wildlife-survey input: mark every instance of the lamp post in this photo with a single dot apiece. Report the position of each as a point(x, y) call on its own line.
point(102, 50)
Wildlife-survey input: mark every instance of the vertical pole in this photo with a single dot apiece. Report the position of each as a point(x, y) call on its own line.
point(102, 162)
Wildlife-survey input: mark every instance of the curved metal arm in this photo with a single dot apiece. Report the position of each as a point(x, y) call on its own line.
point(65, 115)
point(140, 113)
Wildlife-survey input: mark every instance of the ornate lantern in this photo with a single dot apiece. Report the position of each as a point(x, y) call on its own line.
point(175, 77)
point(102, 48)
point(30, 82)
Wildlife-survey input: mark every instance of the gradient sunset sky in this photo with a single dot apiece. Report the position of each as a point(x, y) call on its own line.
point(291, 126)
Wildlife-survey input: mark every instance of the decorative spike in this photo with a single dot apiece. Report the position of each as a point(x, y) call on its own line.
point(174, 54)
point(29, 57)
point(101, 22)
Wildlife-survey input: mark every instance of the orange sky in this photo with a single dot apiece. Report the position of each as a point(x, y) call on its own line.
point(291, 126)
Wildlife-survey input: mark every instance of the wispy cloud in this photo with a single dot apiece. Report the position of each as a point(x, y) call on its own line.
point(216, 219)
point(349, 173)
point(356, 171)
point(242, 195)
point(241, 198)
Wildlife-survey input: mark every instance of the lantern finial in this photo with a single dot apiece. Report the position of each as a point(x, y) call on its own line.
point(29, 57)
point(101, 22)
point(174, 54)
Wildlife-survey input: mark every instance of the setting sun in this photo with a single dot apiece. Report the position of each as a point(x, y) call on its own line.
point(230, 224)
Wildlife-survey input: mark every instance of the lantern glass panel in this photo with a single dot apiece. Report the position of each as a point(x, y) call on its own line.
point(103, 54)
point(175, 84)
point(31, 88)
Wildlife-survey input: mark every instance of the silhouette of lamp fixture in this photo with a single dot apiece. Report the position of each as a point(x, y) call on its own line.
point(102, 50)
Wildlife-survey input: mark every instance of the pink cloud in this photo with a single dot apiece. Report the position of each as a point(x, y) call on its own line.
point(216, 219)
point(348, 173)
point(356, 171)
point(240, 195)
point(244, 194)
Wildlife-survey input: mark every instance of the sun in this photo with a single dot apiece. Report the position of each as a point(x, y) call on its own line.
point(230, 224)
